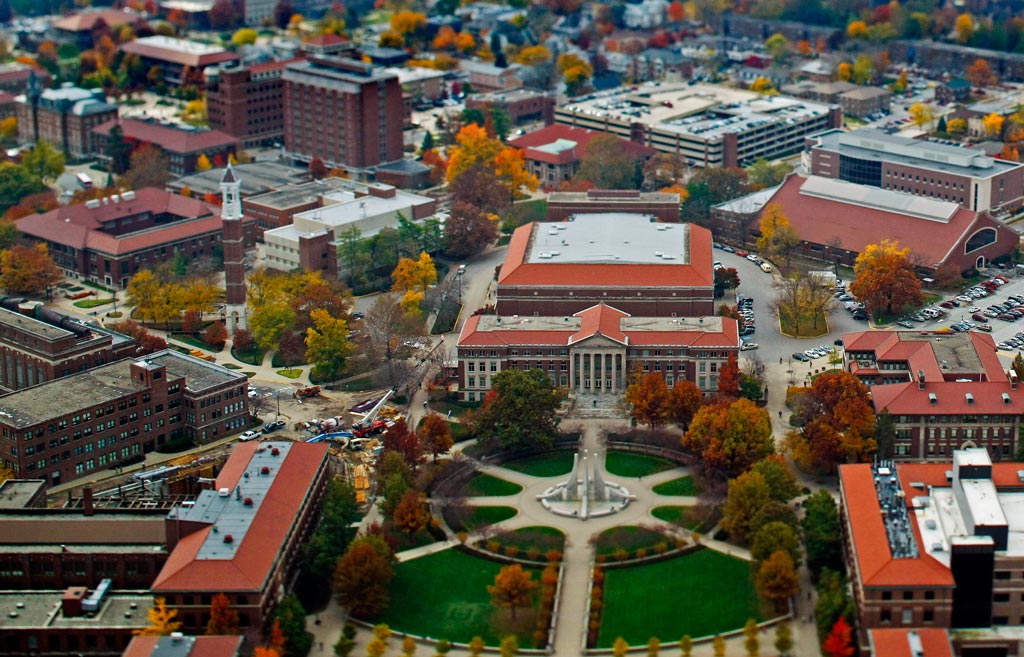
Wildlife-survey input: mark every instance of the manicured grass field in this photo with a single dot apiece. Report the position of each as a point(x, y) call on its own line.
point(488, 515)
point(626, 464)
point(629, 538)
point(701, 593)
point(484, 485)
point(681, 486)
point(92, 303)
point(679, 515)
point(537, 536)
point(551, 464)
point(290, 373)
point(444, 596)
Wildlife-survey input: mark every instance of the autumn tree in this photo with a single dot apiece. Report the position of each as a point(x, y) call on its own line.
point(533, 56)
point(649, 398)
point(964, 27)
point(921, 114)
point(43, 160)
point(519, 412)
point(763, 85)
point(836, 423)
point(776, 579)
point(765, 173)
point(468, 231)
point(435, 435)
point(575, 71)
point(751, 642)
point(161, 620)
point(730, 436)
point(317, 169)
point(148, 167)
point(513, 588)
point(411, 516)
point(778, 237)
point(783, 638)
point(363, 576)
point(884, 279)
point(993, 124)
point(28, 269)
point(609, 164)
point(223, 619)
point(774, 536)
point(414, 278)
point(747, 495)
point(980, 74)
point(839, 641)
point(729, 379)
point(685, 400)
point(401, 439)
point(327, 346)
point(475, 148)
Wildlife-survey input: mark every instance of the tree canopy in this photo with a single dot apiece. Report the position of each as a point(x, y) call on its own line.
point(730, 436)
point(836, 423)
point(519, 412)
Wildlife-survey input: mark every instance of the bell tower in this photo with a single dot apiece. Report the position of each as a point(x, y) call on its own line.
point(234, 252)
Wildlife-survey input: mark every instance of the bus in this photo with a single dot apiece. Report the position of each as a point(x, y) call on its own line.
point(84, 180)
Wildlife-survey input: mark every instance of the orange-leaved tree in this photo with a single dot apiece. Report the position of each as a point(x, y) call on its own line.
point(836, 423)
point(884, 278)
point(161, 620)
point(363, 576)
point(435, 435)
point(28, 269)
point(513, 588)
point(776, 579)
point(410, 515)
point(730, 436)
point(650, 399)
point(838, 643)
point(223, 619)
point(729, 379)
point(686, 401)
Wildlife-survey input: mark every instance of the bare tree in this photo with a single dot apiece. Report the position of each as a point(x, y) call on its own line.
point(803, 296)
point(387, 326)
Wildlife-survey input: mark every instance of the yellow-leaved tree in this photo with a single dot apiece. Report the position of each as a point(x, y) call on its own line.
point(161, 620)
point(884, 278)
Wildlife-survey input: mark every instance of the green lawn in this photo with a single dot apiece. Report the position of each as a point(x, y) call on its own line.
point(253, 355)
point(291, 373)
point(231, 366)
point(552, 464)
point(681, 486)
point(484, 485)
point(677, 515)
point(481, 516)
point(444, 595)
point(812, 326)
point(627, 464)
point(195, 342)
point(358, 385)
point(92, 303)
point(537, 536)
point(701, 593)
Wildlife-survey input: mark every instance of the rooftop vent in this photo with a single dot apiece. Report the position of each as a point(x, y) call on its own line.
point(224, 492)
point(128, 196)
point(969, 397)
point(1006, 398)
point(932, 398)
point(93, 204)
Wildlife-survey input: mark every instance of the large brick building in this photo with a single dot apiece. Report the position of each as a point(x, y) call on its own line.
point(182, 145)
point(64, 117)
point(629, 261)
point(943, 391)
point(935, 546)
point(594, 350)
point(836, 220)
point(247, 102)
point(661, 206)
point(343, 111)
point(116, 412)
point(39, 345)
point(957, 174)
point(108, 240)
point(554, 153)
point(180, 61)
point(242, 538)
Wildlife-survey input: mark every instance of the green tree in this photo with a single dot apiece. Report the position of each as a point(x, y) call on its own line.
point(17, 182)
point(747, 494)
point(765, 173)
point(778, 47)
point(885, 431)
point(292, 618)
point(119, 150)
point(327, 346)
point(333, 533)
point(822, 533)
point(773, 537)
point(44, 161)
point(863, 70)
point(834, 602)
point(519, 412)
point(780, 477)
point(269, 322)
point(608, 164)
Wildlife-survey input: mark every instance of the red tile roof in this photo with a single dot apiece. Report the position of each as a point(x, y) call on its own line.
point(895, 642)
point(908, 399)
point(920, 354)
point(875, 563)
point(552, 133)
point(265, 540)
point(697, 273)
point(171, 139)
point(600, 320)
point(825, 221)
point(325, 40)
point(85, 21)
point(79, 226)
point(201, 646)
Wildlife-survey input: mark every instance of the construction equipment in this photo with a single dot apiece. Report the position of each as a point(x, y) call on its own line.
point(370, 425)
point(308, 391)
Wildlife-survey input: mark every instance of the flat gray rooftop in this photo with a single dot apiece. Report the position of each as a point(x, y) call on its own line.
point(199, 374)
point(610, 238)
point(17, 493)
point(52, 399)
point(904, 203)
point(293, 195)
point(31, 325)
point(256, 178)
point(875, 145)
point(954, 352)
point(42, 609)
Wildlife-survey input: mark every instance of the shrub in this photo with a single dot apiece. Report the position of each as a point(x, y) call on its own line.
point(661, 548)
point(620, 554)
point(533, 553)
point(641, 553)
point(511, 550)
point(554, 556)
point(493, 546)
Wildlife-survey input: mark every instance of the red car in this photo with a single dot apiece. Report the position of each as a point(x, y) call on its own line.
point(741, 253)
point(978, 317)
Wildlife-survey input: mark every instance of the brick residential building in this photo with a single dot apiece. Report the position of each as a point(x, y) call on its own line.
point(935, 546)
point(836, 220)
point(182, 145)
point(181, 61)
point(343, 111)
point(247, 102)
point(242, 538)
point(921, 167)
point(16, 78)
point(64, 117)
point(521, 105)
point(594, 350)
point(627, 261)
point(116, 412)
point(108, 240)
point(942, 391)
point(39, 345)
point(78, 27)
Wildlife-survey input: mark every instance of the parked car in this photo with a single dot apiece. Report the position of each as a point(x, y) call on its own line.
point(747, 346)
point(248, 435)
point(979, 318)
point(271, 427)
point(766, 268)
point(800, 357)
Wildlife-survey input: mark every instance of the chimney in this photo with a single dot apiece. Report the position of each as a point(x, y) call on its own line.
point(1012, 375)
point(920, 379)
point(87, 508)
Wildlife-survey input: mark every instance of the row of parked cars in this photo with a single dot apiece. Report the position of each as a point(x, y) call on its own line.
point(1009, 311)
point(745, 306)
point(813, 353)
point(1016, 342)
point(269, 427)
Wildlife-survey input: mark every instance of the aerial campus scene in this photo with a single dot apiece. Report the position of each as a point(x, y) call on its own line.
point(536, 327)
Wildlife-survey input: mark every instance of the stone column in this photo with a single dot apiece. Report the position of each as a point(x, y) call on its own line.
point(615, 373)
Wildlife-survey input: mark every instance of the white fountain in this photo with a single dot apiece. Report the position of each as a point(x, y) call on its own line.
point(585, 494)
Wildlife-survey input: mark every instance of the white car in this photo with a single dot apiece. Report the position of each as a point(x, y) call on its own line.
point(248, 435)
point(974, 309)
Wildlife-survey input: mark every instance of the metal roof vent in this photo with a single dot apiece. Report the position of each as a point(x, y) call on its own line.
point(932, 398)
point(1006, 398)
point(969, 397)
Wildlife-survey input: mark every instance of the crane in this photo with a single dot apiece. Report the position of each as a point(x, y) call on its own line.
point(370, 425)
